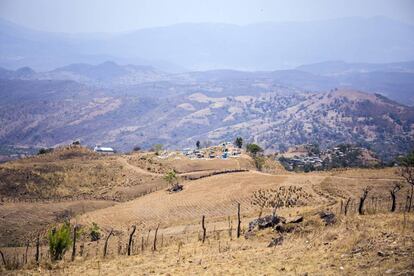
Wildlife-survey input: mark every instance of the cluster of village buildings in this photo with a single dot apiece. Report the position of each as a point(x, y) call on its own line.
point(224, 150)
point(304, 160)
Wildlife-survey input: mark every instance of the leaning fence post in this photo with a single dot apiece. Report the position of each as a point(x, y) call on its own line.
point(3, 259)
point(204, 228)
point(106, 242)
point(238, 220)
point(130, 239)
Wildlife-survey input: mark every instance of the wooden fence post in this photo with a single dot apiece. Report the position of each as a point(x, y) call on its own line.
point(238, 220)
point(37, 249)
point(362, 200)
point(27, 251)
point(3, 259)
point(154, 247)
point(230, 228)
point(146, 242)
point(130, 239)
point(204, 228)
point(106, 242)
point(346, 206)
point(75, 230)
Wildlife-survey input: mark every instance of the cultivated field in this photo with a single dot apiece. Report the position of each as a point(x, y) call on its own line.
point(168, 236)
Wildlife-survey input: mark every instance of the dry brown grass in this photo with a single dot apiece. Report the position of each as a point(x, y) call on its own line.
point(20, 221)
point(351, 246)
point(369, 245)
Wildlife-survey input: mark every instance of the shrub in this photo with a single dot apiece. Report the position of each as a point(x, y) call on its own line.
point(157, 148)
point(95, 232)
point(59, 241)
point(44, 151)
point(259, 162)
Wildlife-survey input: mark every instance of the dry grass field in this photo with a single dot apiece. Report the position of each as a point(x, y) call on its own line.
point(376, 243)
point(379, 244)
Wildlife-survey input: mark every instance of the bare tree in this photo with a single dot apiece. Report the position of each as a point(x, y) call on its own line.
point(393, 193)
point(406, 170)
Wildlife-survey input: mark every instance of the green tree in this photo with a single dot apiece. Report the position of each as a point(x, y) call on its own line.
point(239, 142)
point(253, 149)
point(198, 144)
point(172, 179)
point(59, 241)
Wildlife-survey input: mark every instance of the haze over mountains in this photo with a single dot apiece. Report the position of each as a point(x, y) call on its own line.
point(264, 46)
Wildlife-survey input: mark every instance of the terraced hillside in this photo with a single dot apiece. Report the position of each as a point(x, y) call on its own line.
point(378, 242)
point(72, 180)
point(217, 196)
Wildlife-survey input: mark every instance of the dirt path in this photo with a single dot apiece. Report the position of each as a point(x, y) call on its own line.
point(135, 168)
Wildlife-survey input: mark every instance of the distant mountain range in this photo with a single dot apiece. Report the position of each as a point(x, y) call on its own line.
point(179, 109)
point(265, 46)
point(393, 80)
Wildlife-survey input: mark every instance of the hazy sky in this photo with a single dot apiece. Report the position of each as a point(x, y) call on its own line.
point(117, 15)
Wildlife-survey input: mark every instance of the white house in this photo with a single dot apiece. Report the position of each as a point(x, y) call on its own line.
point(106, 150)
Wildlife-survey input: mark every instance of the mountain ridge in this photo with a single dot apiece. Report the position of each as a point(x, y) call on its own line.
point(264, 46)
